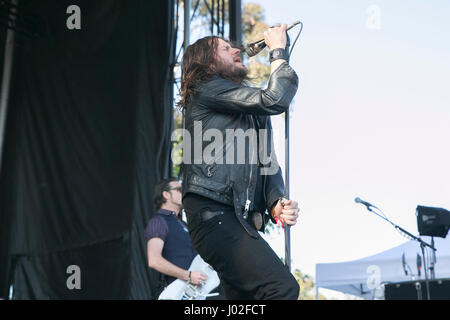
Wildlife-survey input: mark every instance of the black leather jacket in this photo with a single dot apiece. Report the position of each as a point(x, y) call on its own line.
point(224, 106)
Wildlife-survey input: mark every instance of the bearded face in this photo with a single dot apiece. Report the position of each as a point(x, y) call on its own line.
point(229, 62)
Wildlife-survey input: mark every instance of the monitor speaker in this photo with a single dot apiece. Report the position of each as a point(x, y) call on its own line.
point(417, 290)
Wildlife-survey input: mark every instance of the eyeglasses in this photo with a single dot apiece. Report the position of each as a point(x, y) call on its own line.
point(175, 188)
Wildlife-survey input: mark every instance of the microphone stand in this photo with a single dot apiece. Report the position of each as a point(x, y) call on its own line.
point(287, 228)
point(420, 241)
point(433, 261)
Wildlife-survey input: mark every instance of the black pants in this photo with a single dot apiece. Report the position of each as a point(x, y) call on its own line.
point(248, 268)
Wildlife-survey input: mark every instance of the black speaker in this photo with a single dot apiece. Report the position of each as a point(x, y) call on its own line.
point(417, 290)
point(433, 222)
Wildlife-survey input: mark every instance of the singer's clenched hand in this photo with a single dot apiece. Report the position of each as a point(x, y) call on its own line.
point(288, 213)
point(275, 37)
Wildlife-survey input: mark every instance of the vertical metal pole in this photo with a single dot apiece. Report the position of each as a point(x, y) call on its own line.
point(212, 17)
point(6, 78)
point(187, 24)
point(427, 283)
point(287, 228)
point(223, 20)
point(235, 21)
point(186, 42)
point(218, 17)
point(433, 261)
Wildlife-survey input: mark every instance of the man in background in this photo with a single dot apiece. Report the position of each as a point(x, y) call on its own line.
point(169, 246)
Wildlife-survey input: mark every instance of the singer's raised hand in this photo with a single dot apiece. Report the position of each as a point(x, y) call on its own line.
point(275, 37)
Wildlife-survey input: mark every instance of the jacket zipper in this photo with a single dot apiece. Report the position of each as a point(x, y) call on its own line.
point(269, 138)
point(248, 202)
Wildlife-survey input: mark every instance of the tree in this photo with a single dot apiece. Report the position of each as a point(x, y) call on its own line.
point(307, 289)
point(253, 27)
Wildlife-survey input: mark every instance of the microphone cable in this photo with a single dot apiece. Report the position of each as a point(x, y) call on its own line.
point(296, 38)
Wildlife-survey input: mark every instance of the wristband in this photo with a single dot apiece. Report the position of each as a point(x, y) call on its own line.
point(189, 277)
point(272, 212)
point(278, 53)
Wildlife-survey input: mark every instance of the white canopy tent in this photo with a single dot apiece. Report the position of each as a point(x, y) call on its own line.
point(365, 277)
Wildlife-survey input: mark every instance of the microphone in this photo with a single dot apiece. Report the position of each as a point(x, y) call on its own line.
point(367, 204)
point(419, 264)
point(404, 264)
point(256, 47)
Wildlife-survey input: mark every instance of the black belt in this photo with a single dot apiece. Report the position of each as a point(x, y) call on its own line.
point(255, 219)
point(197, 219)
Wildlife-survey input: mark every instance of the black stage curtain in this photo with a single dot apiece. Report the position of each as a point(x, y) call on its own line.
point(87, 136)
point(2, 48)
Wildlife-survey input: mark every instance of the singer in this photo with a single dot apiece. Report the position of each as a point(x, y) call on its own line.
point(226, 204)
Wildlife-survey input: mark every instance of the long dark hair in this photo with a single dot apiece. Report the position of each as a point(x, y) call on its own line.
point(196, 67)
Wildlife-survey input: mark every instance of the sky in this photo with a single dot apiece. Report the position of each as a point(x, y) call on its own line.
point(371, 119)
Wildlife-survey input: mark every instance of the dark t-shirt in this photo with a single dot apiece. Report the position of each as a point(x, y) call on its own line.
point(178, 247)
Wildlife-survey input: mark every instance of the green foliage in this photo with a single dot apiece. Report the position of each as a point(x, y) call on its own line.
point(307, 289)
point(253, 27)
point(177, 154)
